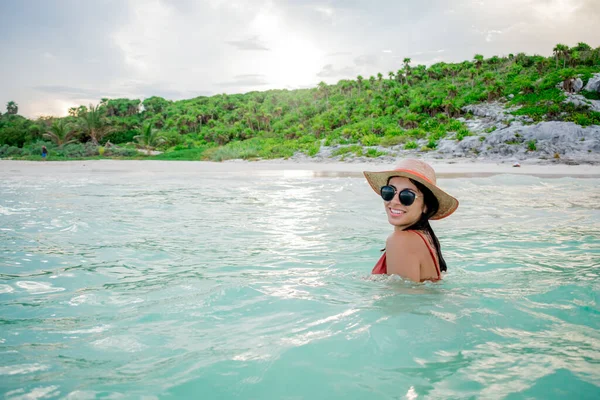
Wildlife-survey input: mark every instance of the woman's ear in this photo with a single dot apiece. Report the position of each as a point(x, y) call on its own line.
point(424, 208)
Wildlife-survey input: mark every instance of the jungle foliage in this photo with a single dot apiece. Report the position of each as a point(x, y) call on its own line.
point(411, 104)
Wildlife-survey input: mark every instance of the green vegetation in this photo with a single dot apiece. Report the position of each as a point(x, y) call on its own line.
point(150, 138)
point(414, 108)
point(410, 145)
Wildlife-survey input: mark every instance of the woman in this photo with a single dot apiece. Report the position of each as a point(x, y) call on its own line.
point(411, 198)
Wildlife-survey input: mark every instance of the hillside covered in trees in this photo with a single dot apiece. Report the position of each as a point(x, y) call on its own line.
point(413, 107)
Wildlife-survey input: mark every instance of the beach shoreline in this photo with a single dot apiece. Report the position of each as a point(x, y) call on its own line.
point(443, 168)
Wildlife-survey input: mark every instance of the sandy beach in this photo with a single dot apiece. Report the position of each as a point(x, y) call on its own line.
point(444, 169)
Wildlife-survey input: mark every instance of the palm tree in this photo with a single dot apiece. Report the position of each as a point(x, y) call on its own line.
point(488, 77)
point(561, 50)
point(93, 123)
point(406, 62)
point(12, 108)
point(391, 75)
point(541, 65)
point(478, 60)
point(452, 91)
point(566, 52)
point(581, 46)
point(359, 79)
point(149, 138)
point(323, 89)
point(575, 57)
point(61, 133)
point(399, 75)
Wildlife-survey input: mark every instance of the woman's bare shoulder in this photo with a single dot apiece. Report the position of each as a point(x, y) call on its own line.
point(404, 240)
point(403, 256)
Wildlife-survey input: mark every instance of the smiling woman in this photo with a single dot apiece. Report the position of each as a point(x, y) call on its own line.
point(411, 198)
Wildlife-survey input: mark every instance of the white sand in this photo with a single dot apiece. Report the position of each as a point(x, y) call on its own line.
point(444, 169)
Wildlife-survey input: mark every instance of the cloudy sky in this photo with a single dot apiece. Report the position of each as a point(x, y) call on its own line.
point(56, 54)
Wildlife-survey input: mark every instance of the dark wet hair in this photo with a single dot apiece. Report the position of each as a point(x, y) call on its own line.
point(423, 223)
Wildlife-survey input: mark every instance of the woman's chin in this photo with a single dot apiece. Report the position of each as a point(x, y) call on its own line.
point(396, 220)
point(400, 221)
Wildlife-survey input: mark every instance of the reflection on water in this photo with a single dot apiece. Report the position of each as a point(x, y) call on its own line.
point(257, 286)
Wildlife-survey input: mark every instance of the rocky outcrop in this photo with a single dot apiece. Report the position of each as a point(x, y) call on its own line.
point(581, 101)
point(593, 84)
point(575, 85)
point(493, 110)
point(544, 140)
point(500, 136)
point(491, 116)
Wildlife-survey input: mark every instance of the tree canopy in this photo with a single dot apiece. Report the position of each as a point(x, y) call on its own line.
point(415, 102)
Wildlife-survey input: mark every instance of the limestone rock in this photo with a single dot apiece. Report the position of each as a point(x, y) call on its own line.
point(564, 138)
point(593, 84)
point(577, 85)
point(581, 101)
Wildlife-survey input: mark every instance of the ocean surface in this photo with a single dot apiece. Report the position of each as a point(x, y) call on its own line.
point(256, 285)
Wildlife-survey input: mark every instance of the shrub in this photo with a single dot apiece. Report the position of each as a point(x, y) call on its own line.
point(582, 119)
point(370, 140)
point(121, 152)
point(123, 136)
point(313, 149)
point(172, 139)
point(462, 133)
point(10, 151)
point(373, 153)
point(183, 154)
point(389, 141)
point(531, 145)
point(410, 145)
point(78, 150)
point(590, 95)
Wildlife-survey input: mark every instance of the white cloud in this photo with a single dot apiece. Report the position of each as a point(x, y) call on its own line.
point(326, 11)
point(491, 33)
point(179, 48)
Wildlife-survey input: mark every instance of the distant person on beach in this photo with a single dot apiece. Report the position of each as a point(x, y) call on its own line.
point(411, 198)
point(44, 152)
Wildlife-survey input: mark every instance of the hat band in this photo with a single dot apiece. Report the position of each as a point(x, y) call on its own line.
point(415, 173)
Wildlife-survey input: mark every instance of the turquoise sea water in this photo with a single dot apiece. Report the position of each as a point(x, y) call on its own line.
point(257, 286)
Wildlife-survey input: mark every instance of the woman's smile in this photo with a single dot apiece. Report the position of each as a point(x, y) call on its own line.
point(396, 212)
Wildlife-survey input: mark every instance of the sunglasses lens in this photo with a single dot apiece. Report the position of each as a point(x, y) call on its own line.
point(407, 197)
point(387, 193)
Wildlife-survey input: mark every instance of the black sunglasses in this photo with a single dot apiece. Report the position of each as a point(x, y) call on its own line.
point(406, 196)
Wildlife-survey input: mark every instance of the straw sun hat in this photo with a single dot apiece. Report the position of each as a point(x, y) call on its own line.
point(421, 172)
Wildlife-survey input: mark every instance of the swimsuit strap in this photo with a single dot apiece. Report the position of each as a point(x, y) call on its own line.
point(435, 261)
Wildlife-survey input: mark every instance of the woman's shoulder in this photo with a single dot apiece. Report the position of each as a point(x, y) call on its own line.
point(403, 239)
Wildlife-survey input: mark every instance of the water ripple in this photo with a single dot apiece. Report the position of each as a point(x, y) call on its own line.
point(185, 286)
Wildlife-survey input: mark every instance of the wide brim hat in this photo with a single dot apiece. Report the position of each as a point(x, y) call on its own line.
point(421, 172)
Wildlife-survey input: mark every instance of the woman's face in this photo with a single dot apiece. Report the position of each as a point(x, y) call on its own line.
point(398, 214)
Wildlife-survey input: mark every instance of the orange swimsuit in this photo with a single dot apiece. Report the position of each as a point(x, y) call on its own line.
point(381, 266)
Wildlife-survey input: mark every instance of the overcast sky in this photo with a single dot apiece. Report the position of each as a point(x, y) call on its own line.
point(63, 53)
